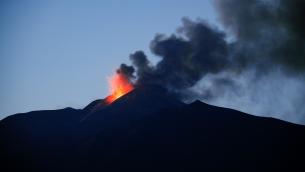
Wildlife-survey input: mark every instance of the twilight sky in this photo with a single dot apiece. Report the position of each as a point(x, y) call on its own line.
point(246, 55)
point(59, 53)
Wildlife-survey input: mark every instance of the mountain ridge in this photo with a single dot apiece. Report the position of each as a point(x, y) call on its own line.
point(149, 129)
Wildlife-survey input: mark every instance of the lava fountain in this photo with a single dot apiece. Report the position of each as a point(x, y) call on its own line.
point(119, 85)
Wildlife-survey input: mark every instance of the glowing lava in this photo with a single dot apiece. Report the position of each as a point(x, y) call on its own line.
point(119, 85)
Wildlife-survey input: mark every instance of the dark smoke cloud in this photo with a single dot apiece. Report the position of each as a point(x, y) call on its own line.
point(196, 50)
point(267, 42)
point(267, 34)
point(142, 64)
point(126, 70)
point(266, 31)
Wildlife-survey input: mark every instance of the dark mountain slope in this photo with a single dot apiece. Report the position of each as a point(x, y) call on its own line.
point(149, 130)
point(37, 138)
point(200, 136)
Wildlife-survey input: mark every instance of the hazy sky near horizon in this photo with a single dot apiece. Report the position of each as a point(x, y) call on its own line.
point(59, 53)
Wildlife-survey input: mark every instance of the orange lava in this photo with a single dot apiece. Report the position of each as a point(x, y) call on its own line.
point(119, 85)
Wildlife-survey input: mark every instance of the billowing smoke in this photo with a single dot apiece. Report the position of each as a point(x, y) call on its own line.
point(126, 70)
point(262, 43)
point(266, 31)
point(196, 50)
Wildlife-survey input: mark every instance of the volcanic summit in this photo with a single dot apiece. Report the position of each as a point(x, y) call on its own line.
point(149, 129)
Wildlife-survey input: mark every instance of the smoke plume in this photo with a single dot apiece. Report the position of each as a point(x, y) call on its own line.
point(262, 43)
point(266, 31)
point(185, 57)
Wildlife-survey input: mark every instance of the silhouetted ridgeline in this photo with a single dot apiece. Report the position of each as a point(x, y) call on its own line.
point(149, 130)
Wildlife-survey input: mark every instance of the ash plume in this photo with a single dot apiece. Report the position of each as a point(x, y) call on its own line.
point(126, 70)
point(262, 43)
point(185, 57)
point(267, 33)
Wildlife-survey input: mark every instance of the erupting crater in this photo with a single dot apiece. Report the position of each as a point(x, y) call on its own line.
point(119, 85)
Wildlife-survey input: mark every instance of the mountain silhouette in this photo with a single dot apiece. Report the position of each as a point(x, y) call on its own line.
point(149, 129)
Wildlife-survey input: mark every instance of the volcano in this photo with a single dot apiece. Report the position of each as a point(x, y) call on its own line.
point(149, 129)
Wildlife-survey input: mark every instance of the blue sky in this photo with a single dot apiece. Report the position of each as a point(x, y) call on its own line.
point(59, 53)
